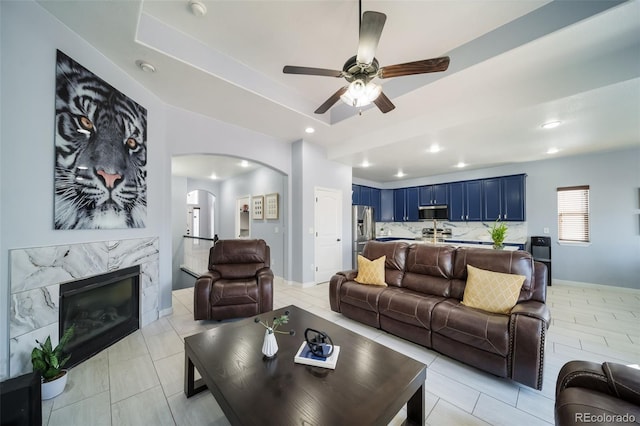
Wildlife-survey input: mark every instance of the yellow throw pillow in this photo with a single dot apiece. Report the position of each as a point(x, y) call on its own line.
point(491, 291)
point(371, 271)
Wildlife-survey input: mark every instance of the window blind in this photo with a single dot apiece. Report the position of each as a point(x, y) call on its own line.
point(573, 214)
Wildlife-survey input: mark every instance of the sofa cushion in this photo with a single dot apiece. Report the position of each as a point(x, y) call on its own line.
point(408, 306)
point(396, 253)
point(234, 292)
point(371, 271)
point(362, 296)
point(480, 329)
point(508, 262)
point(429, 269)
point(491, 291)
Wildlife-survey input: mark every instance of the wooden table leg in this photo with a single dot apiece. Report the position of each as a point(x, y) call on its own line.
point(415, 408)
point(191, 386)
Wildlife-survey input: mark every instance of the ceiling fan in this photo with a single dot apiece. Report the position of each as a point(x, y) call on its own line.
point(359, 70)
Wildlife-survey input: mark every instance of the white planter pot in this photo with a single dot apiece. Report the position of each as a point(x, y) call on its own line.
point(55, 387)
point(270, 345)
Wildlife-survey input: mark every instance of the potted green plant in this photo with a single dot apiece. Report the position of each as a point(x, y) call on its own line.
point(49, 362)
point(498, 233)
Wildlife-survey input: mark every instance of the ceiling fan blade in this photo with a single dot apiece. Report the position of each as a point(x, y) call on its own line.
point(331, 101)
point(417, 67)
point(383, 103)
point(370, 32)
point(290, 69)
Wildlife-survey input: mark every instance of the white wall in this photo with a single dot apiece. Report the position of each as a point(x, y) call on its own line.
point(189, 133)
point(29, 39)
point(258, 182)
point(313, 170)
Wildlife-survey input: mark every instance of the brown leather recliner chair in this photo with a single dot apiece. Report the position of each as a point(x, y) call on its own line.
point(597, 394)
point(239, 282)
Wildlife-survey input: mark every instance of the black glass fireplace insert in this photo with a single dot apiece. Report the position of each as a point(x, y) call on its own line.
point(102, 309)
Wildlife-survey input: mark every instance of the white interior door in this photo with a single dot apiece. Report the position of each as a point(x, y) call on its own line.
point(328, 235)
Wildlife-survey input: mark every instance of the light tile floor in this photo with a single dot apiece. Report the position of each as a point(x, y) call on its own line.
point(139, 380)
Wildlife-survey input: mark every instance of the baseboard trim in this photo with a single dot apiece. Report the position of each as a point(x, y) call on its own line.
point(165, 312)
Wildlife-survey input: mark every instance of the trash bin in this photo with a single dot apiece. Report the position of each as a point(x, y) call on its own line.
point(541, 252)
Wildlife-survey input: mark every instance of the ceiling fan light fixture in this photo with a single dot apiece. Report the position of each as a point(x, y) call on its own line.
point(360, 94)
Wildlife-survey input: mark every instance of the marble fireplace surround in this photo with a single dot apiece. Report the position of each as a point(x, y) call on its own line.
point(36, 275)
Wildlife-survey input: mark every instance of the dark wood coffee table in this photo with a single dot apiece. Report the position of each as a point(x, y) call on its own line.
point(370, 385)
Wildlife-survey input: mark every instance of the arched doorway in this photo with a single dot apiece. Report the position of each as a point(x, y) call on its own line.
point(227, 179)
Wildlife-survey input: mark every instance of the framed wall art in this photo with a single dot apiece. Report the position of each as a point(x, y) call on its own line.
point(271, 206)
point(101, 152)
point(257, 210)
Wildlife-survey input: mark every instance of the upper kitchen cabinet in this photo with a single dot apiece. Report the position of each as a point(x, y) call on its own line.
point(465, 201)
point(376, 204)
point(432, 195)
point(386, 205)
point(504, 198)
point(405, 204)
point(365, 196)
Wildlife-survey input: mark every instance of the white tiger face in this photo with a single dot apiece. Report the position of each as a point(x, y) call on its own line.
point(101, 153)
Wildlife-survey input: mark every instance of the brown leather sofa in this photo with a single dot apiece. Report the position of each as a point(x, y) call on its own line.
point(239, 282)
point(422, 304)
point(597, 394)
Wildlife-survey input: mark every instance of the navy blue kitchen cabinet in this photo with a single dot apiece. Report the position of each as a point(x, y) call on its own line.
point(365, 196)
point(405, 204)
point(465, 201)
point(376, 204)
point(514, 198)
point(504, 198)
point(432, 195)
point(386, 205)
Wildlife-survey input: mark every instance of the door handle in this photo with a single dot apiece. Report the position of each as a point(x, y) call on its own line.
point(338, 239)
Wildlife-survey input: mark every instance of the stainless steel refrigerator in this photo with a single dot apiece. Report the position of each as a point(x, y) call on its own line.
point(363, 229)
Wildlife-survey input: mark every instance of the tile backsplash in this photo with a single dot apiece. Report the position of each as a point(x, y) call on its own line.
point(472, 231)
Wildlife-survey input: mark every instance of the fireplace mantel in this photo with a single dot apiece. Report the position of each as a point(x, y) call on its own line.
point(36, 275)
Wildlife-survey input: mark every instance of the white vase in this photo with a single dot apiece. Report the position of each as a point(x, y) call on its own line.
point(55, 387)
point(270, 345)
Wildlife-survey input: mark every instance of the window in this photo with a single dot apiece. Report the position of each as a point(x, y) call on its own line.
point(573, 214)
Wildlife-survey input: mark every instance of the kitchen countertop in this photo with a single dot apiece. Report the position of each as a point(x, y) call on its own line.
point(452, 242)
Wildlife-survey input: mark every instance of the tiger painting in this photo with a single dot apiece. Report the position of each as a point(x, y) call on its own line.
point(101, 153)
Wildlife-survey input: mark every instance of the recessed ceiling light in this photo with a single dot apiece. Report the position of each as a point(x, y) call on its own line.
point(309, 130)
point(552, 151)
point(365, 163)
point(435, 148)
point(461, 165)
point(213, 176)
point(551, 124)
point(244, 163)
point(400, 174)
point(146, 66)
point(197, 8)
